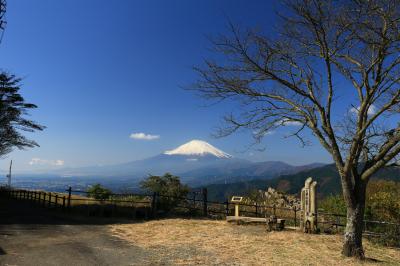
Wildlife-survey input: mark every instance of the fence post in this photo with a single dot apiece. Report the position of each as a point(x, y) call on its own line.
point(227, 207)
point(69, 197)
point(56, 202)
point(44, 199)
point(194, 203)
point(256, 209)
point(205, 210)
point(154, 205)
point(274, 209)
point(295, 216)
point(63, 204)
point(49, 199)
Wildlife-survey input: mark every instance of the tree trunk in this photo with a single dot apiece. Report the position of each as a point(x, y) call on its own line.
point(352, 246)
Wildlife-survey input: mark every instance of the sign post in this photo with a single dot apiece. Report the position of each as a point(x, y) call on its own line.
point(236, 200)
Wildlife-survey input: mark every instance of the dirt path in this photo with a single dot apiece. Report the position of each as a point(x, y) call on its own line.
point(33, 236)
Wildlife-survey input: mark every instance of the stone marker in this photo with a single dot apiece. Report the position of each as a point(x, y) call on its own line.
point(308, 221)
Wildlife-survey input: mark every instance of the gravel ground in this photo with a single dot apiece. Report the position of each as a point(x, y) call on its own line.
point(33, 236)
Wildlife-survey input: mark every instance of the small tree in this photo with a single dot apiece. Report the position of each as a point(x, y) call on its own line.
point(169, 188)
point(323, 49)
point(13, 108)
point(99, 192)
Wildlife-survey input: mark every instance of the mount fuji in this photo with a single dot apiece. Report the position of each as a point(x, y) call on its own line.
point(198, 148)
point(191, 156)
point(196, 162)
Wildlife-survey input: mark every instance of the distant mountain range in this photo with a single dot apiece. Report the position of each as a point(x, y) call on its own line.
point(196, 162)
point(199, 164)
point(327, 177)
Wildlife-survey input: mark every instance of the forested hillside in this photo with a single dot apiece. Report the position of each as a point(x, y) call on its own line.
point(326, 176)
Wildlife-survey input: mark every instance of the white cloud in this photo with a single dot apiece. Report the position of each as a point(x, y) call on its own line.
point(143, 136)
point(287, 122)
point(38, 161)
point(371, 110)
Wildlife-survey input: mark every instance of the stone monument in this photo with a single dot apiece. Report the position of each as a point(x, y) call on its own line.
point(308, 221)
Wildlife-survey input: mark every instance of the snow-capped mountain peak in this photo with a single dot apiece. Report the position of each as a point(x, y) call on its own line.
point(198, 147)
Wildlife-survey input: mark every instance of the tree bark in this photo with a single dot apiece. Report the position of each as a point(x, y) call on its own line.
point(352, 246)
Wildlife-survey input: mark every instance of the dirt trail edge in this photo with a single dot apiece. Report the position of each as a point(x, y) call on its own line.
point(34, 236)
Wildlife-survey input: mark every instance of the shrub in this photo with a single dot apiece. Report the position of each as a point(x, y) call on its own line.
point(333, 204)
point(382, 204)
point(169, 188)
point(99, 192)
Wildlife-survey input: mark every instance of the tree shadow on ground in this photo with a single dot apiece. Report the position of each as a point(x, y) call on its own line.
point(372, 260)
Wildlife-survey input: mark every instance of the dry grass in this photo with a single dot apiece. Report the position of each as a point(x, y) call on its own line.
point(205, 242)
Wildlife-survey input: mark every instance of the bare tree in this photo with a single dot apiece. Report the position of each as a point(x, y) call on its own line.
point(322, 50)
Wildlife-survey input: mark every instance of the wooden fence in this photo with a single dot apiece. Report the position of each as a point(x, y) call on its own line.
point(136, 205)
point(148, 206)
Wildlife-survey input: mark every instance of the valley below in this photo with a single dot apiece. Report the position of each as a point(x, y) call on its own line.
point(199, 165)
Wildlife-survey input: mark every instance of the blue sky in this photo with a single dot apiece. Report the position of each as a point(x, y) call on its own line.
point(102, 70)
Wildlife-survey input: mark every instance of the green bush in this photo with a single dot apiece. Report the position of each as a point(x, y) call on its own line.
point(382, 204)
point(169, 188)
point(333, 204)
point(99, 192)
